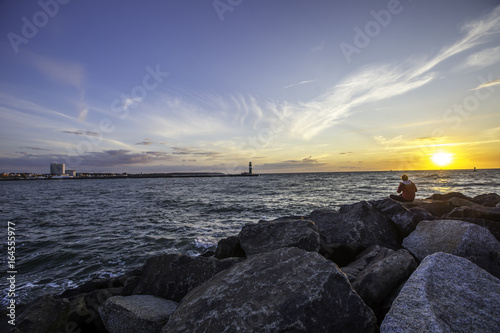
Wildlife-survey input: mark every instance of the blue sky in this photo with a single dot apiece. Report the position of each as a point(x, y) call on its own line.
point(293, 86)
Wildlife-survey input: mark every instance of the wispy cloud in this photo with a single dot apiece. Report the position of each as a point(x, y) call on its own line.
point(86, 133)
point(65, 73)
point(481, 59)
point(380, 82)
point(298, 84)
point(488, 84)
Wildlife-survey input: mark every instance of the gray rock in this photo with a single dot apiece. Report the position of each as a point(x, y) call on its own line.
point(437, 208)
point(137, 313)
point(267, 236)
point(458, 202)
point(288, 289)
point(476, 212)
point(229, 247)
point(459, 238)
point(448, 196)
point(446, 294)
point(45, 314)
point(422, 214)
point(377, 275)
point(490, 199)
point(382, 277)
point(404, 220)
point(365, 259)
point(172, 276)
point(352, 229)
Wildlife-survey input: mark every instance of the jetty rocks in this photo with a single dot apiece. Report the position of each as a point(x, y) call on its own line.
point(432, 265)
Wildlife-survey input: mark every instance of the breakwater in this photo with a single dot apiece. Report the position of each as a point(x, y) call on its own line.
point(433, 264)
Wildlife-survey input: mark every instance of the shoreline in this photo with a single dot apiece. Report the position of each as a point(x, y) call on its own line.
point(353, 244)
point(151, 175)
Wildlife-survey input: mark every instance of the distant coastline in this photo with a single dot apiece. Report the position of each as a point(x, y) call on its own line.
point(15, 177)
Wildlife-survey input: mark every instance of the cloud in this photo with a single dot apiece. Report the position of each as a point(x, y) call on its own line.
point(481, 59)
point(146, 142)
point(381, 140)
point(64, 72)
point(307, 160)
point(36, 148)
point(86, 133)
point(488, 84)
point(120, 157)
point(379, 82)
point(307, 163)
point(194, 151)
point(298, 84)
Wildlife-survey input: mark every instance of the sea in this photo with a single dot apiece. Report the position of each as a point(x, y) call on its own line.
point(69, 231)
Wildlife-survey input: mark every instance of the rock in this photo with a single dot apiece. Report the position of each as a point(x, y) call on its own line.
point(352, 229)
point(286, 290)
point(172, 276)
point(229, 247)
point(45, 314)
point(422, 214)
point(404, 220)
point(448, 196)
point(446, 294)
point(437, 208)
point(267, 236)
point(100, 283)
point(385, 271)
point(365, 259)
point(492, 226)
point(489, 200)
point(498, 205)
point(458, 202)
point(476, 212)
point(137, 313)
point(459, 238)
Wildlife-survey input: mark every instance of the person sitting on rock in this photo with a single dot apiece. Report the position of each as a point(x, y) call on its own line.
point(408, 188)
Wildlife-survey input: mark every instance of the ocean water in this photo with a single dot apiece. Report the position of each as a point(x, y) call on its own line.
point(68, 231)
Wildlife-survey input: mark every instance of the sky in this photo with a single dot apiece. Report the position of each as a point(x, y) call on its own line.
point(208, 86)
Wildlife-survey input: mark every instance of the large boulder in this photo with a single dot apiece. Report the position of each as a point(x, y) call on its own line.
point(377, 275)
point(459, 238)
point(45, 314)
point(422, 214)
point(448, 196)
point(229, 247)
point(137, 313)
point(352, 229)
point(286, 290)
point(172, 276)
point(458, 202)
point(437, 208)
point(403, 219)
point(267, 236)
point(489, 200)
point(446, 294)
point(475, 212)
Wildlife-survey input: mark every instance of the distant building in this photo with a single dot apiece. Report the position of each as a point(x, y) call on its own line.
point(71, 173)
point(57, 169)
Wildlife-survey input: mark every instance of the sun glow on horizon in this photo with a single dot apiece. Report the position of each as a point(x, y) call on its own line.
point(442, 158)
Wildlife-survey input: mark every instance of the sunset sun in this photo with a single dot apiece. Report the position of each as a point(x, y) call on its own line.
point(442, 159)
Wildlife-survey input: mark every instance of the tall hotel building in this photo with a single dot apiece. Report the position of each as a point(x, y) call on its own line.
point(57, 169)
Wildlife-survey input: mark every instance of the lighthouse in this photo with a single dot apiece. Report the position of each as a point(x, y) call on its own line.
point(250, 168)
